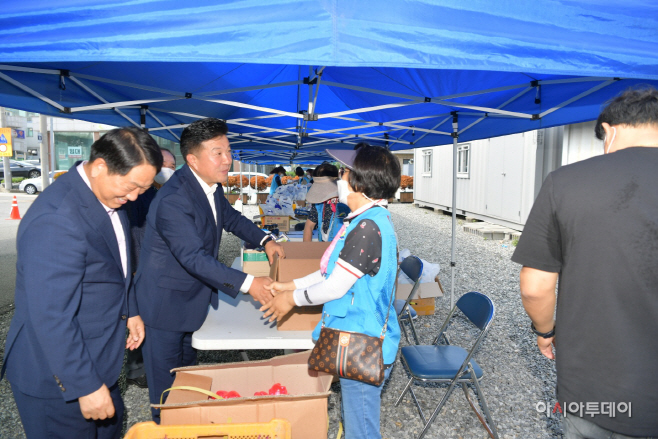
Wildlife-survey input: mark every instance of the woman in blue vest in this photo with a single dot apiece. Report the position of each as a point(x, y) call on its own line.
point(278, 172)
point(356, 278)
point(301, 176)
point(326, 212)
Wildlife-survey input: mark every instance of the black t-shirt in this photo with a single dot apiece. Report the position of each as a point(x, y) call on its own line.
point(596, 223)
point(362, 251)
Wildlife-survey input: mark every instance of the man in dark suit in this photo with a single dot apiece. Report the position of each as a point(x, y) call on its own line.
point(179, 274)
point(137, 210)
point(65, 345)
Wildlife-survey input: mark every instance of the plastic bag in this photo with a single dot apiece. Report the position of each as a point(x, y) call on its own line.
point(430, 270)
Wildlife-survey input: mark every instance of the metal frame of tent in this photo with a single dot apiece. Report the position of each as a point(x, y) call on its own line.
point(302, 150)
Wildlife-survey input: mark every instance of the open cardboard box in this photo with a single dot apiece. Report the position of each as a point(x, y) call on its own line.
point(305, 406)
point(302, 258)
point(425, 289)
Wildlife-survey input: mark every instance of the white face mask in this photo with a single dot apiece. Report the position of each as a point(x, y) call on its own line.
point(343, 191)
point(614, 134)
point(164, 175)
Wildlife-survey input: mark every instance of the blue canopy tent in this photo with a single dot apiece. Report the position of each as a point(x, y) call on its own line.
point(292, 78)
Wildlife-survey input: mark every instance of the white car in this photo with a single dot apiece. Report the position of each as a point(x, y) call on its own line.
point(33, 185)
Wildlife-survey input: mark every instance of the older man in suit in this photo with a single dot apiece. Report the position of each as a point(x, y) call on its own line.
point(179, 275)
point(65, 345)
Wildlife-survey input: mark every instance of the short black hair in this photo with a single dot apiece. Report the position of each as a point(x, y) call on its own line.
point(277, 170)
point(299, 172)
point(170, 152)
point(633, 107)
point(375, 172)
point(198, 132)
point(127, 147)
point(326, 169)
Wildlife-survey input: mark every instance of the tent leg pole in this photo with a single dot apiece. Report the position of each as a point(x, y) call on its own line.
point(453, 263)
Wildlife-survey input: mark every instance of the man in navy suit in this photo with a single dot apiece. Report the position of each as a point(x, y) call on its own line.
point(137, 210)
point(179, 274)
point(65, 345)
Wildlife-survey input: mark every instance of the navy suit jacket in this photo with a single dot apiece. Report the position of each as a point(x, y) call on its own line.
point(68, 334)
point(178, 274)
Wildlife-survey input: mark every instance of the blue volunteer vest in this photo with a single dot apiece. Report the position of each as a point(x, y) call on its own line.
point(335, 223)
point(274, 185)
point(363, 308)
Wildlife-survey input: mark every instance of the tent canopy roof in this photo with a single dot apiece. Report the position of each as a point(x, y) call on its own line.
point(295, 77)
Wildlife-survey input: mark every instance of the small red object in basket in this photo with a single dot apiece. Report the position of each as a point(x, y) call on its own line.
point(261, 394)
point(278, 389)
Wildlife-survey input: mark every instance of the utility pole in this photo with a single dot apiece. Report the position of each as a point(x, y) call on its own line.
point(5, 160)
point(44, 152)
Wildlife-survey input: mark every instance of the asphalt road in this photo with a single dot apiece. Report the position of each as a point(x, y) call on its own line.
point(8, 230)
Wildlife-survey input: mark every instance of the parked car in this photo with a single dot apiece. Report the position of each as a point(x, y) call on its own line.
point(20, 169)
point(33, 185)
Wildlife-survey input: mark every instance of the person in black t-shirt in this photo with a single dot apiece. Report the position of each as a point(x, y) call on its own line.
point(595, 226)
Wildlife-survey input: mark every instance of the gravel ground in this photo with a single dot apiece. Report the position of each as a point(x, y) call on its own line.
point(516, 375)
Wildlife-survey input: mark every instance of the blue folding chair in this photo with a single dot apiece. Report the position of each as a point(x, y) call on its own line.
point(452, 364)
point(412, 266)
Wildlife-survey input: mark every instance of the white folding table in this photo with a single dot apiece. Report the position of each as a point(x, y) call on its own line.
point(237, 324)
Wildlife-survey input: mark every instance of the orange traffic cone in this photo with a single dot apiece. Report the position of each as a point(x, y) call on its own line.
point(14, 210)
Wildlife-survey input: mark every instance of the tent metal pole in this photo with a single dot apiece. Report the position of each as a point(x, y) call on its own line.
point(251, 88)
point(517, 96)
point(111, 105)
point(253, 107)
point(170, 127)
point(483, 109)
point(375, 108)
point(580, 96)
point(30, 70)
point(434, 127)
point(150, 113)
point(453, 263)
point(28, 90)
point(100, 98)
point(265, 129)
point(128, 84)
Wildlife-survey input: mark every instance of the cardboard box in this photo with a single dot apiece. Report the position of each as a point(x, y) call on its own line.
point(305, 406)
point(255, 263)
point(425, 290)
point(302, 258)
point(282, 222)
point(424, 307)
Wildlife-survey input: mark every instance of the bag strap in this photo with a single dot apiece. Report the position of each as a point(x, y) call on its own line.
point(390, 302)
point(194, 389)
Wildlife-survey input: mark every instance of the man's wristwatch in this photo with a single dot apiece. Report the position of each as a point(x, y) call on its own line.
point(543, 334)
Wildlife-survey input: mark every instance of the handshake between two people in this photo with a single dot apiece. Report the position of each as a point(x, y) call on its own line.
point(276, 298)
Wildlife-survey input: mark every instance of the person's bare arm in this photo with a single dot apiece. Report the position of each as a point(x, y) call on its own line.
point(538, 297)
point(308, 231)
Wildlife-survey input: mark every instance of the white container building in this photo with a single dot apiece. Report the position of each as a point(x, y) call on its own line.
point(499, 178)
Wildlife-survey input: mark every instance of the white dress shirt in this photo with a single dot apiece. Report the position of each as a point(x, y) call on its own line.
point(116, 222)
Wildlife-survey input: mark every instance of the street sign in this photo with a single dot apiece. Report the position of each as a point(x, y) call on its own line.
point(5, 143)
